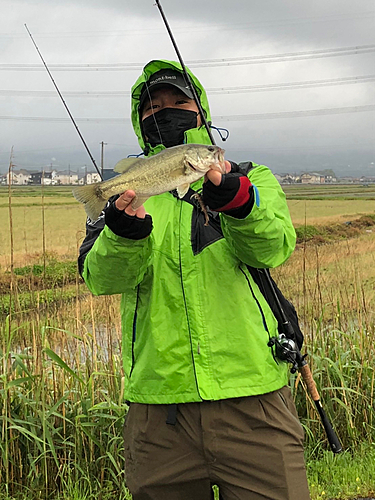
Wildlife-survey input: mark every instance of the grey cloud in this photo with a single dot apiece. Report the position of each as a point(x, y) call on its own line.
point(132, 31)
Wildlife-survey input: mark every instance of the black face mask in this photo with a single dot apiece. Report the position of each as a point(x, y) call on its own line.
point(168, 126)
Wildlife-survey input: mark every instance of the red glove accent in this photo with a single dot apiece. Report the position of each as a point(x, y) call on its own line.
point(242, 196)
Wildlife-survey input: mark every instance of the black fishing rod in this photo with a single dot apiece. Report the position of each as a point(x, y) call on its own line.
point(186, 74)
point(283, 346)
point(65, 105)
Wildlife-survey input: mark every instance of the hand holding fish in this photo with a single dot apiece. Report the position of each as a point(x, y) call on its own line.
point(230, 193)
point(173, 168)
point(124, 202)
point(215, 176)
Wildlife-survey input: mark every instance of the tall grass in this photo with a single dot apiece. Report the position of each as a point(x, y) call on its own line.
point(62, 407)
point(332, 287)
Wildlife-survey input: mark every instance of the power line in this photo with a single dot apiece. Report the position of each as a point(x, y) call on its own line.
point(297, 114)
point(73, 93)
point(62, 120)
point(243, 117)
point(319, 52)
point(203, 63)
point(214, 90)
point(292, 85)
point(197, 28)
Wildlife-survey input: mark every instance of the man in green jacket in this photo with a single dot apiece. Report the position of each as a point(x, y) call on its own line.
point(209, 401)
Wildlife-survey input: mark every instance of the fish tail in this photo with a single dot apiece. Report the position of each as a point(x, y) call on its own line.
point(92, 198)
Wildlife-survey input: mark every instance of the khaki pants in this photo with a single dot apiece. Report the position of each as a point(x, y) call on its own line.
point(250, 447)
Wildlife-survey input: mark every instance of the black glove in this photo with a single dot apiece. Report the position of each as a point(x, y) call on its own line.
point(234, 196)
point(127, 226)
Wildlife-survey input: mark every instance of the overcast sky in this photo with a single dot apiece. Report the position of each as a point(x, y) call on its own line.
point(292, 80)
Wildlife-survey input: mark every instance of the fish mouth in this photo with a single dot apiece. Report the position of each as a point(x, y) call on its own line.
point(192, 166)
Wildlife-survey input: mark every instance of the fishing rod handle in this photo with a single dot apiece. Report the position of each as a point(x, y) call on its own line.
point(309, 381)
point(333, 440)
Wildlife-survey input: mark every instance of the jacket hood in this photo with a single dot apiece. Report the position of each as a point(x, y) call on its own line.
point(197, 135)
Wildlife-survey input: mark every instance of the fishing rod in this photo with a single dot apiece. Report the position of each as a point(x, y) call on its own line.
point(64, 103)
point(287, 350)
point(186, 74)
point(283, 346)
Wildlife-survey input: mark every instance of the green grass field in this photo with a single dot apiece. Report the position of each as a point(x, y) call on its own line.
point(64, 223)
point(64, 217)
point(323, 191)
point(61, 385)
point(325, 204)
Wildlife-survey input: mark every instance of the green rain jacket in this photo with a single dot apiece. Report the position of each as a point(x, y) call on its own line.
point(195, 325)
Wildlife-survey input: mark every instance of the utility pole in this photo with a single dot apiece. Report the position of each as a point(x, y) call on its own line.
point(102, 158)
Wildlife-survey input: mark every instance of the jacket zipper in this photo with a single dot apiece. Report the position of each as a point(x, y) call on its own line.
point(257, 302)
point(134, 332)
point(184, 299)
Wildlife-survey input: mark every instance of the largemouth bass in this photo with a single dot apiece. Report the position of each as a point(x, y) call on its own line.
point(172, 168)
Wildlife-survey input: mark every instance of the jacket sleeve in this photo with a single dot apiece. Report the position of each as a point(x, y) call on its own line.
point(116, 264)
point(109, 263)
point(266, 237)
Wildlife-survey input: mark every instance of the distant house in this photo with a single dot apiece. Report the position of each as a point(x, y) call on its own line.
point(18, 177)
point(81, 179)
point(367, 179)
point(92, 178)
point(349, 179)
point(287, 178)
point(47, 179)
point(330, 178)
point(35, 178)
point(65, 177)
point(290, 179)
point(312, 178)
point(51, 178)
point(89, 178)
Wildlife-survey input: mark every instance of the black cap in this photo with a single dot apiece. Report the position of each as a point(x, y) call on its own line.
point(166, 77)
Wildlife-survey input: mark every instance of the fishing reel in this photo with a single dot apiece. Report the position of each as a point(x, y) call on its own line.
point(285, 350)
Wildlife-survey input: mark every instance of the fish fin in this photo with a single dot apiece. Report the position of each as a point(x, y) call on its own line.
point(92, 199)
point(138, 201)
point(125, 165)
point(182, 190)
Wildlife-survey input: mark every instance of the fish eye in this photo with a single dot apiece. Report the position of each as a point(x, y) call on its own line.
point(211, 148)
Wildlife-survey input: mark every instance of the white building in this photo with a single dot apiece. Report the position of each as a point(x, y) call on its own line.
point(18, 177)
point(312, 178)
point(51, 178)
point(47, 179)
point(65, 177)
point(92, 178)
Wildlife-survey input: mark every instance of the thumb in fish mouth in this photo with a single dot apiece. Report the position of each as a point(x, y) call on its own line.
point(214, 176)
point(124, 203)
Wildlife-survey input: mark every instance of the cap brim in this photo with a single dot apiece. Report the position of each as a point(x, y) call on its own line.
point(146, 93)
